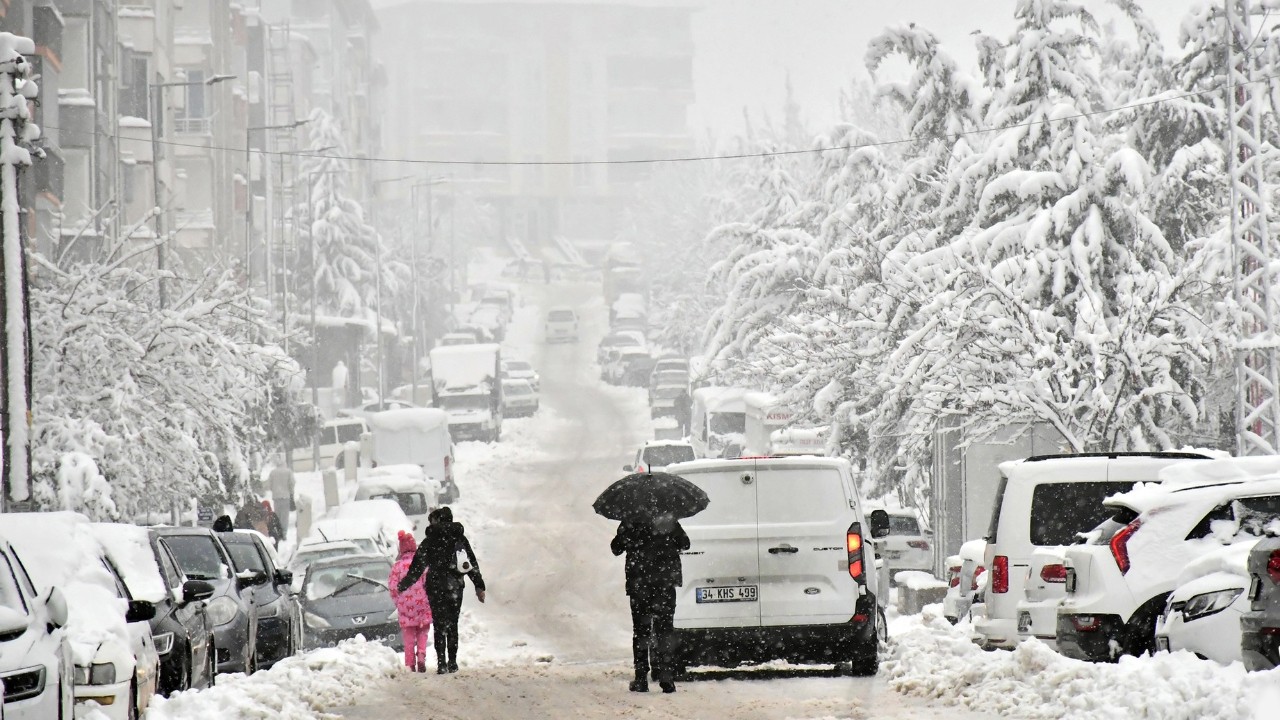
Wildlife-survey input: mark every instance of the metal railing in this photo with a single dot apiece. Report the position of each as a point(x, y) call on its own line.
point(192, 125)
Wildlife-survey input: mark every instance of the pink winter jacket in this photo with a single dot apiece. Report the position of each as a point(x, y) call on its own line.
point(412, 603)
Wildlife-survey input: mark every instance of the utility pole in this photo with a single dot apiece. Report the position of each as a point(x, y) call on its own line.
point(248, 201)
point(16, 131)
point(1253, 254)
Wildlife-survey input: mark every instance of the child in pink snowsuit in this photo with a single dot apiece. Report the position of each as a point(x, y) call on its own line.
point(412, 606)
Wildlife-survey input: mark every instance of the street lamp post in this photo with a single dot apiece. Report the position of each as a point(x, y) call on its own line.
point(158, 103)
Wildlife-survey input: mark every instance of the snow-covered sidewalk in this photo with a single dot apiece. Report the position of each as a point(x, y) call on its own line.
point(932, 659)
point(296, 688)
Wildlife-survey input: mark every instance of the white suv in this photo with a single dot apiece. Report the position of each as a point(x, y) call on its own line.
point(780, 566)
point(1118, 584)
point(562, 324)
point(1048, 501)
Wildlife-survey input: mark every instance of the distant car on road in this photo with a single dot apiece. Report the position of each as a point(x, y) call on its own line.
point(618, 340)
point(519, 399)
point(561, 325)
point(906, 547)
point(520, 370)
point(656, 455)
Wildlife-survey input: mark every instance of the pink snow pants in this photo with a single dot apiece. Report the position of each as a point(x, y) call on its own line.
point(415, 643)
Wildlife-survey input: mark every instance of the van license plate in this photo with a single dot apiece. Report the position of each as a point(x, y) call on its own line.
point(736, 593)
point(1024, 622)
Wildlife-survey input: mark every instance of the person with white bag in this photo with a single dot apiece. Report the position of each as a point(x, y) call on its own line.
point(446, 556)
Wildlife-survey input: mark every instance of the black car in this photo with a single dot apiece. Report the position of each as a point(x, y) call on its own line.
point(180, 628)
point(346, 596)
point(202, 556)
point(279, 616)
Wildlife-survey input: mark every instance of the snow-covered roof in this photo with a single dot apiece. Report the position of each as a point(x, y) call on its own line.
point(424, 419)
point(351, 528)
point(386, 512)
point(722, 399)
point(464, 366)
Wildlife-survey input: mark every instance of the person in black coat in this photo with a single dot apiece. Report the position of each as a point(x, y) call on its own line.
point(437, 556)
point(653, 573)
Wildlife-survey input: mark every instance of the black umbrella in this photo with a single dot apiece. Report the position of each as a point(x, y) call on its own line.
point(647, 495)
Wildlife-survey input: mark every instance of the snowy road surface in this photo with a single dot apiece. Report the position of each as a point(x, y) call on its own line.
point(554, 638)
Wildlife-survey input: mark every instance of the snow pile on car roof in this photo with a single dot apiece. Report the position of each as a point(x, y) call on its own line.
point(424, 419)
point(59, 550)
point(130, 549)
point(935, 660)
point(296, 688)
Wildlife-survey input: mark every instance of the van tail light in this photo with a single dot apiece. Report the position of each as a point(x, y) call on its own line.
point(1120, 545)
point(1054, 573)
point(853, 542)
point(977, 577)
point(1086, 623)
point(953, 575)
point(1000, 574)
point(918, 544)
point(1273, 566)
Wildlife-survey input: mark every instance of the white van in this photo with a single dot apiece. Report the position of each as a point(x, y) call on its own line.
point(719, 421)
point(1048, 501)
point(416, 436)
point(334, 436)
point(780, 566)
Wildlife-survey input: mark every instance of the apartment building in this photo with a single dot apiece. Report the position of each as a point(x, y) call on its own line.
point(531, 80)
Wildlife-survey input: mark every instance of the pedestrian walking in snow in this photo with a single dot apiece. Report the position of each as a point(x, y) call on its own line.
point(275, 529)
point(683, 409)
point(653, 568)
point(445, 555)
point(252, 516)
point(412, 606)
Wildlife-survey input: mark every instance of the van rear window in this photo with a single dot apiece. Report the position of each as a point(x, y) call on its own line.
point(1061, 511)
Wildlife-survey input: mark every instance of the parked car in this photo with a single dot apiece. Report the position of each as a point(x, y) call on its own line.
point(116, 664)
point(386, 513)
point(343, 597)
point(309, 553)
point(334, 436)
point(662, 400)
point(657, 455)
point(377, 406)
point(561, 325)
point(906, 547)
point(965, 578)
point(1204, 611)
point(181, 629)
point(1043, 595)
point(1260, 625)
point(1119, 582)
point(668, 363)
point(614, 341)
point(623, 360)
point(521, 370)
point(366, 533)
point(202, 556)
point(270, 588)
point(419, 439)
point(779, 566)
point(406, 485)
point(519, 399)
point(1048, 501)
point(35, 654)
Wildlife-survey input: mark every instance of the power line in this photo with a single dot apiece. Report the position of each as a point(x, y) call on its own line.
point(686, 158)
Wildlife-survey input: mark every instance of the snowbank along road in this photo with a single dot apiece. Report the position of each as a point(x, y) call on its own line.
point(554, 638)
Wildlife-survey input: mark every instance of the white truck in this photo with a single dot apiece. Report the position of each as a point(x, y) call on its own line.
point(719, 421)
point(765, 415)
point(466, 382)
point(418, 437)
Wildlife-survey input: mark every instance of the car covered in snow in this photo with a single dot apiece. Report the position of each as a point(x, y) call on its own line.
point(407, 486)
point(965, 579)
point(346, 596)
point(314, 551)
point(1049, 501)
point(181, 629)
point(617, 340)
point(1043, 594)
point(415, 443)
point(1119, 582)
point(365, 533)
point(386, 513)
point(656, 455)
point(520, 370)
point(1204, 610)
point(35, 654)
point(202, 556)
point(270, 586)
point(622, 361)
point(561, 325)
point(519, 399)
point(115, 660)
point(334, 436)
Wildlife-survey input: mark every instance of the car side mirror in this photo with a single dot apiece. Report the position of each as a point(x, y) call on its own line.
point(250, 578)
point(284, 577)
point(56, 602)
point(193, 590)
point(139, 611)
point(879, 520)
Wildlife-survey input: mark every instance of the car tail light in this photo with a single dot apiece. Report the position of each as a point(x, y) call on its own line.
point(1120, 545)
point(853, 542)
point(953, 574)
point(918, 544)
point(1270, 631)
point(977, 574)
point(1000, 574)
point(1273, 566)
point(1086, 623)
point(1054, 573)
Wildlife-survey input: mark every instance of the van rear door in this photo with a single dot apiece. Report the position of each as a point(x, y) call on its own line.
point(804, 518)
point(721, 568)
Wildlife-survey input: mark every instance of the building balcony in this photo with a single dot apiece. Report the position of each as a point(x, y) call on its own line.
point(137, 25)
point(193, 126)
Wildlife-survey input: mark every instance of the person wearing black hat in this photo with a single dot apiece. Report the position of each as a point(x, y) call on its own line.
point(653, 568)
point(442, 543)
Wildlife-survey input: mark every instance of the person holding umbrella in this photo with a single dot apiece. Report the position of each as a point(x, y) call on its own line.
point(648, 506)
